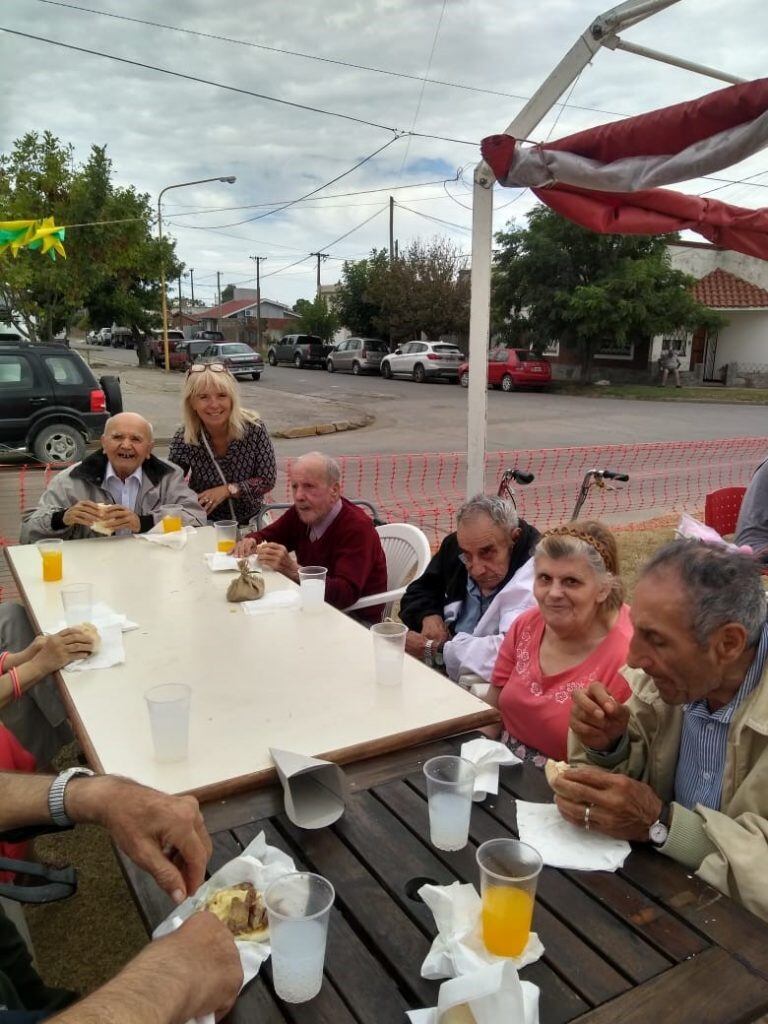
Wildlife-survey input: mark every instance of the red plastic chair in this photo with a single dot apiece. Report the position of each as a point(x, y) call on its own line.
point(721, 508)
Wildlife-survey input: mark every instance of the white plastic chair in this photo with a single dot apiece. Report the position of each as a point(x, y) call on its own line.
point(407, 552)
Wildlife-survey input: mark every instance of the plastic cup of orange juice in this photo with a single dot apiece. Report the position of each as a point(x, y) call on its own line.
point(171, 518)
point(226, 535)
point(51, 552)
point(509, 871)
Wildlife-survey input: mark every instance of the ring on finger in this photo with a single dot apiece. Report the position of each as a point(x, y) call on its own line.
point(587, 812)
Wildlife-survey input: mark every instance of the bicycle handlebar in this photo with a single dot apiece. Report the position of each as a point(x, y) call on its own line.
point(610, 474)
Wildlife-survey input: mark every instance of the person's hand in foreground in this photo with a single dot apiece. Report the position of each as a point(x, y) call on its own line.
point(82, 513)
point(59, 649)
point(618, 806)
point(164, 835)
point(597, 718)
point(192, 972)
point(434, 628)
point(118, 517)
point(277, 557)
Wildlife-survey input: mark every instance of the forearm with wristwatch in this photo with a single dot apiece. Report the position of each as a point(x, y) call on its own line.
point(27, 800)
point(433, 653)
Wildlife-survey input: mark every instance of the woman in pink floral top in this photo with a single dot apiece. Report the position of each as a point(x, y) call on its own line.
point(579, 633)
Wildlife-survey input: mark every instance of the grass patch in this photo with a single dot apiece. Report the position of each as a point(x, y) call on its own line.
point(653, 393)
point(82, 942)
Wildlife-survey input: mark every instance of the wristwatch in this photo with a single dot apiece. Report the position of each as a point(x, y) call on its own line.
point(659, 830)
point(56, 793)
point(437, 655)
point(234, 490)
point(428, 645)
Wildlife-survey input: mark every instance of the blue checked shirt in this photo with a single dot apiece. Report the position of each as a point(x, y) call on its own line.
point(704, 739)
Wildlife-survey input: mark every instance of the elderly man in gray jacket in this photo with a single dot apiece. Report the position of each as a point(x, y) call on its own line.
point(117, 490)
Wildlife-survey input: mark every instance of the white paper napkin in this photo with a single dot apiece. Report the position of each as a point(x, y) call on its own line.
point(490, 995)
point(217, 561)
point(176, 539)
point(278, 600)
point(111, 652)
point(486, 755)
point(563, 845)
point(103, 615)
point(259, 864)
point(459, 948)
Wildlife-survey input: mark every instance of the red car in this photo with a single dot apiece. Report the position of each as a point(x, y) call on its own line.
point(510, 368)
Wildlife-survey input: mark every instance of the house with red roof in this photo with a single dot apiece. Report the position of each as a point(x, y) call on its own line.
point(236, 319)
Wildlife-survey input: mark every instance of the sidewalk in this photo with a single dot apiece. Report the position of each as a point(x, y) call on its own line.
point(149, 391)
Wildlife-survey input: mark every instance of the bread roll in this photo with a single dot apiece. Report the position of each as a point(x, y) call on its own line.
point(92, 633)
point(553, 769)
point(98, 526)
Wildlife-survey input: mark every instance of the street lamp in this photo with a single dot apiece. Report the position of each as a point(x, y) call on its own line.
point(229, 179)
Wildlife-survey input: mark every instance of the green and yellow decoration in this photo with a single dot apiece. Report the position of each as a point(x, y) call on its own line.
point(32, 234)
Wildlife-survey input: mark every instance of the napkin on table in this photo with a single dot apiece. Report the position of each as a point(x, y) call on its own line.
point(490, 995)
point(563, 845)
point(486, 755)
point(217, 561)
point(260, 864)
point(176, 539)
point(278, 600)
point(111, 652)
point(103, 615)
point(458, 947)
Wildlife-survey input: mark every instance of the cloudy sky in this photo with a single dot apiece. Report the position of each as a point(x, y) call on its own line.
point(481, 59)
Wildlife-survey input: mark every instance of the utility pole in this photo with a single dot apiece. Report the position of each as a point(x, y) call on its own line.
point(192, 285)
point(391, 229)
point(218, 287)
point(180, 312)
point(258, 260)
point(319, 256)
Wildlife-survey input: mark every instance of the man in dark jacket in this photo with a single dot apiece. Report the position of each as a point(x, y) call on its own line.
point(476, 585)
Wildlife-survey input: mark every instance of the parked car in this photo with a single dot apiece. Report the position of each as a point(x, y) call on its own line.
point(121, 337)
point(423, 360)
point(240, 359)
point(104, 336)
point(50, 402)
point(300, 349)
point(360, 355)
point(510, 368)
point(208, 336)
point(157, 345)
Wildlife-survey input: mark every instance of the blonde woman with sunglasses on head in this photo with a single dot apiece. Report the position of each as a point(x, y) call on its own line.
point(226, 449)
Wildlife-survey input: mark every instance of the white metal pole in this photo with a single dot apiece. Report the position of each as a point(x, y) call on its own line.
point(545, 97)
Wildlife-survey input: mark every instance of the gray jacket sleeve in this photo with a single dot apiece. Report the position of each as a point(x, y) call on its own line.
point(58, 497)
point(752, 527)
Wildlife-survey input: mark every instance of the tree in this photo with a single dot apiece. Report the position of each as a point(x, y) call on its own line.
point(316, 317)
point(424, 289)
point(228, 293)
point(112, 270)
point(554, 280)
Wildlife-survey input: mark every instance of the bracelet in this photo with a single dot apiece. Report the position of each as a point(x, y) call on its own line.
point(15, 683)
point(428, 645)
point(3, 659)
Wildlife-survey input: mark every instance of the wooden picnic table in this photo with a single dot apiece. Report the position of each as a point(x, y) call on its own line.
point(648, 943)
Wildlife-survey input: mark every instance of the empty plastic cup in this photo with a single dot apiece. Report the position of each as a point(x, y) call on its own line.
point(450, 782)
point(226, 535)
point(171, 518)
point(168, 707)
point(298, 906)
point(389, 652)
point(77, 599)
point(509, 871)
point(50, 552)
point(312, 580)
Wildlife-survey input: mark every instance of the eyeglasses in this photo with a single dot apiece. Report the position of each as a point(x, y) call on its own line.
point(202, 367)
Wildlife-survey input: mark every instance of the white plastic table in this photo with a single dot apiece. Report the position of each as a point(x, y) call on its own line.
point(289, 680)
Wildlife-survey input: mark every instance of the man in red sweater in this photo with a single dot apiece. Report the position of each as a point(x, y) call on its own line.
point(322, 528)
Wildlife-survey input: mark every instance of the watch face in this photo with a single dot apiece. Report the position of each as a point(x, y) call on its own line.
point(658, 833)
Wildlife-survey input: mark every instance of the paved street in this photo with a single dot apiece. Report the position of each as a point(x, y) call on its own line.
point(412, 417)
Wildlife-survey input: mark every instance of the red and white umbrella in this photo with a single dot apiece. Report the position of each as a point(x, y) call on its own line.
point(607, 178)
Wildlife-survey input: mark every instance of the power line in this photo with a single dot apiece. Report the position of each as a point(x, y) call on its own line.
point(330, 244)
point(234, 88)
point(316, 57)
point(293, 202)
point(423, 84)
point(437, 220)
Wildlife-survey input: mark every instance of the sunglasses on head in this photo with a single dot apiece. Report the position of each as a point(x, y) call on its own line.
point(202, 367)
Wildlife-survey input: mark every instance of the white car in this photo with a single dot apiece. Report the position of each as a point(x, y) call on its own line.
point(423, 360)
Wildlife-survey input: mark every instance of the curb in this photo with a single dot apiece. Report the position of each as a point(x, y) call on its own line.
point(308, 431)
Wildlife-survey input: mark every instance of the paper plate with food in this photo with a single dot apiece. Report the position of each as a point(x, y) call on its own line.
point(235, 894)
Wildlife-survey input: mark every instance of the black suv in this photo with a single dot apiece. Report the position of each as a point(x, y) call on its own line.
point(50, 402)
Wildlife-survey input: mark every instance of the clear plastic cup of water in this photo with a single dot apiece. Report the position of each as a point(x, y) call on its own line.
point(389, 652)
point(77, 599)
point(298, 906)
point(312, 581)
point(450, 782)
point(168, 706)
